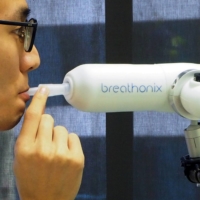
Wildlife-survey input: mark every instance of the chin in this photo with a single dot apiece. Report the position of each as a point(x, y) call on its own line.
point(11, 115)
point(9, 125)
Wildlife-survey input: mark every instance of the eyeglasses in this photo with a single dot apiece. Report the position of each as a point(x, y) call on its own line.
point(27, 32)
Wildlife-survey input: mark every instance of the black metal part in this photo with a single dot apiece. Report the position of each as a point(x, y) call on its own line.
point(197, 77)
point(191, 168)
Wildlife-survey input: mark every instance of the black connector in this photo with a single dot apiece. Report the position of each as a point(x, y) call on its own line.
point(191, 168)
point(197, 77)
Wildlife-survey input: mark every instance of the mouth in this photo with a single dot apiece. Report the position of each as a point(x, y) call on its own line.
point(25, 90)
point(24, 95)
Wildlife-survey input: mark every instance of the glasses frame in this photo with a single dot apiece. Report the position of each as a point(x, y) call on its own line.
point(25, 24)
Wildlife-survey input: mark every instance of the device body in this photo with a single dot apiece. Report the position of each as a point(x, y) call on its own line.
point(123, 87)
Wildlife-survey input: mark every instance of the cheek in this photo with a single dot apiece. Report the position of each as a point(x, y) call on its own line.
point(8, 89)
point(9, 69)
point(11, 107)
point(9, 76)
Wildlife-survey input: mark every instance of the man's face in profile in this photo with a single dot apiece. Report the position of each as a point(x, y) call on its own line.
point(15, 63)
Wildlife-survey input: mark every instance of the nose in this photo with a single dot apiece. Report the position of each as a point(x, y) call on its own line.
point(29, 60)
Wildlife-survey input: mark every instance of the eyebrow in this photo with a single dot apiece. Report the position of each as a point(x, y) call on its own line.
point(22, 13)
point(25, 12)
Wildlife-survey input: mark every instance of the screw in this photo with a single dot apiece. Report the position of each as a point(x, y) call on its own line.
point(198, 185)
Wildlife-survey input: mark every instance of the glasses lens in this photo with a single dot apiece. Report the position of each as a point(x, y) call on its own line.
point(28, 37)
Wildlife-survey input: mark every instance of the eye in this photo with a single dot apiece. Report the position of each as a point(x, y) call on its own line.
point(20, 32)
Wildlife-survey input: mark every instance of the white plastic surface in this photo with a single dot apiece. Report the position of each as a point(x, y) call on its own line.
point(55, 89)
point(127, 87)
point(190, 97)
point(123, 87)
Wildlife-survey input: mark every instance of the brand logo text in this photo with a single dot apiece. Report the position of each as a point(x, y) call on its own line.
point(131, 88)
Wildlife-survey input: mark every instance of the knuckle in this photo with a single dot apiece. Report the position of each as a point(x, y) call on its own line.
point(73, 136)
point(47, 117)
point(61, 158)
point(31, 114)
point(60, 129)
point(22, 152)
point(77, 161)
point(70, 160)
point(30, 153)
point(43, 153)
point(46, 121)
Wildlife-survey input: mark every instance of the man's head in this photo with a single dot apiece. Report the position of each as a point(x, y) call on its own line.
point(15, 63)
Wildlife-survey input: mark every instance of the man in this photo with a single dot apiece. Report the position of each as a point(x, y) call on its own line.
point(48, 161)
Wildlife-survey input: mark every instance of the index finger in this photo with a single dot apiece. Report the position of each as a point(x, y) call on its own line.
point(33, 115)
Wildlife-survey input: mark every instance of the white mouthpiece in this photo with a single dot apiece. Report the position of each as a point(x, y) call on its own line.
point(55, 89)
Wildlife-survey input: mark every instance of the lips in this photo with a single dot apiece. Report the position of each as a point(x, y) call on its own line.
point(25, 90)
point(24, 95)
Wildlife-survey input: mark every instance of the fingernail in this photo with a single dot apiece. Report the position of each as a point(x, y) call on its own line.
point(43, 90)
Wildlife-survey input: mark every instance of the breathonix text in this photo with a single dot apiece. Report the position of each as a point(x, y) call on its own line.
point(131, 88)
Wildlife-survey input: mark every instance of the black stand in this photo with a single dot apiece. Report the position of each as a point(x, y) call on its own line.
point(119, 126)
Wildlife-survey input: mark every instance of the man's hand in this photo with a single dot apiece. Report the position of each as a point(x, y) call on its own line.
point(48, 161)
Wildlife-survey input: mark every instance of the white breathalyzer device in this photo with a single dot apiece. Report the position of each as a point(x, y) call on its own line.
point(129, 87)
